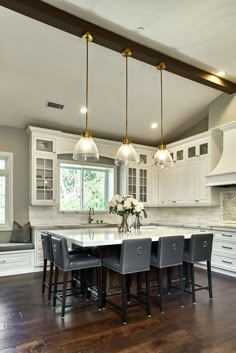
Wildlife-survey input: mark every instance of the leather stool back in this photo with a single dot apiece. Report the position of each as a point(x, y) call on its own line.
point(170, 252)
point(135, 255)
point(200, 248)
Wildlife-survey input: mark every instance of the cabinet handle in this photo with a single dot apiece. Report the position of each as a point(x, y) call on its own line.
point(227, 247)
point(3, 262)
point(196, 200)
point(227, 235)
point(173, 201)
point(227, 262)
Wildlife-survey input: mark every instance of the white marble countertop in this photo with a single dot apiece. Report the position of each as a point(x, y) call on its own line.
point(89, 237)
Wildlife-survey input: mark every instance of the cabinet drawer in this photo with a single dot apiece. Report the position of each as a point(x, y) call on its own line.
point(226, 247)
point(16, 260)
point(231, 237)
point(224, 262)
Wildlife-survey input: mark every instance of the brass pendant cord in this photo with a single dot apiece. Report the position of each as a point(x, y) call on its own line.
point(161, 67)
point(126, 97)
point(87, 40)
point(161, 110)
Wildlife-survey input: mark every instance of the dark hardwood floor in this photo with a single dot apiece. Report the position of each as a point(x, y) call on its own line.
point(29, 324)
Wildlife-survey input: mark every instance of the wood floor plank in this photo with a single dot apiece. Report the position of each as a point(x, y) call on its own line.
point(29, 324)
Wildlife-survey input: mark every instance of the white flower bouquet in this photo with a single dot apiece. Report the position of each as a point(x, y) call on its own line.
point(126, 205)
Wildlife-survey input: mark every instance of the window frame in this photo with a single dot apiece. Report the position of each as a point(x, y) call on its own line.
point(97, 166)
point(8, 173)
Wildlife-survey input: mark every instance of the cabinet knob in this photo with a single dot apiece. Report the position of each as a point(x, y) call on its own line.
point(3, 262)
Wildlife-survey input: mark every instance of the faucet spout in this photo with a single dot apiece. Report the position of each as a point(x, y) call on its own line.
point(91, 213)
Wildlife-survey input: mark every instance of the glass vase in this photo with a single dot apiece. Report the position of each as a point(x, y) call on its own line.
point(124, 226)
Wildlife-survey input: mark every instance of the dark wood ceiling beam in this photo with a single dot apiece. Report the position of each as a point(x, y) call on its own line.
point(64, 21)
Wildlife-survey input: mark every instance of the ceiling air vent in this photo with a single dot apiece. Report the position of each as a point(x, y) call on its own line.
point(54, 105)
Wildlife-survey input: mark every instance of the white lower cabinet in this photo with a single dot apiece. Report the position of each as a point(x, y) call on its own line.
point(16, 262)
point(224, 253)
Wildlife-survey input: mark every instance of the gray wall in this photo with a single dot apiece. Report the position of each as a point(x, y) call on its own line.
point(222, 110)
point(17, 141)
point(201, 126)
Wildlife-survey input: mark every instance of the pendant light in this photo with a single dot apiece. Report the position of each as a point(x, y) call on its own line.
point(86, 149)
point(126, 153)
point(162, 157)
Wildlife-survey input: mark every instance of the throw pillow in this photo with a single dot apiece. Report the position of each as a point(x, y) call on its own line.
point(21, 234)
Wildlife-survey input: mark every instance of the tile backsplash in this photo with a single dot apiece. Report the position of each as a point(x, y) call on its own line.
point(225, 213)
point(228, 206)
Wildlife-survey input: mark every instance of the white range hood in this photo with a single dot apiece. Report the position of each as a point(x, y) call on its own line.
point(225, 171)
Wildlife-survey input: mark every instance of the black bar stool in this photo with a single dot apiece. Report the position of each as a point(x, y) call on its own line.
point(169, 253)
point(134, 258)
point(66, 263)
point(48, 256)
point(199, 249)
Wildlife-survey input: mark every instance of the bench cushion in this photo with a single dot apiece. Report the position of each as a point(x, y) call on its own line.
point(15, 246)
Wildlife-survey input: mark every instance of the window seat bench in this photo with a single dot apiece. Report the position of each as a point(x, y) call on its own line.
point(16, 258)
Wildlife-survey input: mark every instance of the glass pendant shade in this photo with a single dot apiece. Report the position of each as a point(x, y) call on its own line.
point(86, 149)
point(163, 158)
point(126, 154)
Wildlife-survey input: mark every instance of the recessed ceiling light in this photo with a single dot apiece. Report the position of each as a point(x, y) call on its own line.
point(220, 73)
point(154, 125)
point(83, 110)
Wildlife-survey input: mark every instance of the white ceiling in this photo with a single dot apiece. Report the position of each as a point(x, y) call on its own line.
point(40, 63)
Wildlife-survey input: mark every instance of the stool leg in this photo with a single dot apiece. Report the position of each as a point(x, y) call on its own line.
point(65, 278)
point(104, 277)
point(168, 279)
point(50, 281)
point(181, 284)
point(55, 286)
point(209, 279)
point(186, 269)
point(193, 283)
point(160, 275)
point(138, 284)
point(44, 274)
point(147, 278)
point(99, 287)
point(128, 282)
point(124, 300)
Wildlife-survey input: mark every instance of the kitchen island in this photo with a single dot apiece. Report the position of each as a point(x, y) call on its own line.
point(96, 237)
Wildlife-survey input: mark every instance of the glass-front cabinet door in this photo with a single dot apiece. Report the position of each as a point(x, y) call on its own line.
point(198, 150)
point(44, 144)
point(132, 182)
point(143, 184)
point(44, 186)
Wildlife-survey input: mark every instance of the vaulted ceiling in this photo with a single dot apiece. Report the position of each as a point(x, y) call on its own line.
point(40, 63)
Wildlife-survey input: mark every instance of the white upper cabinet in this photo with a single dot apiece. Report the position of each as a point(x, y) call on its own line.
point(140, 180)
point(182, 185)
point(185, 183)
point(42, 169)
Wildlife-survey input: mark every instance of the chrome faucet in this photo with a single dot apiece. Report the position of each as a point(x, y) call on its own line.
point(91, 213)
